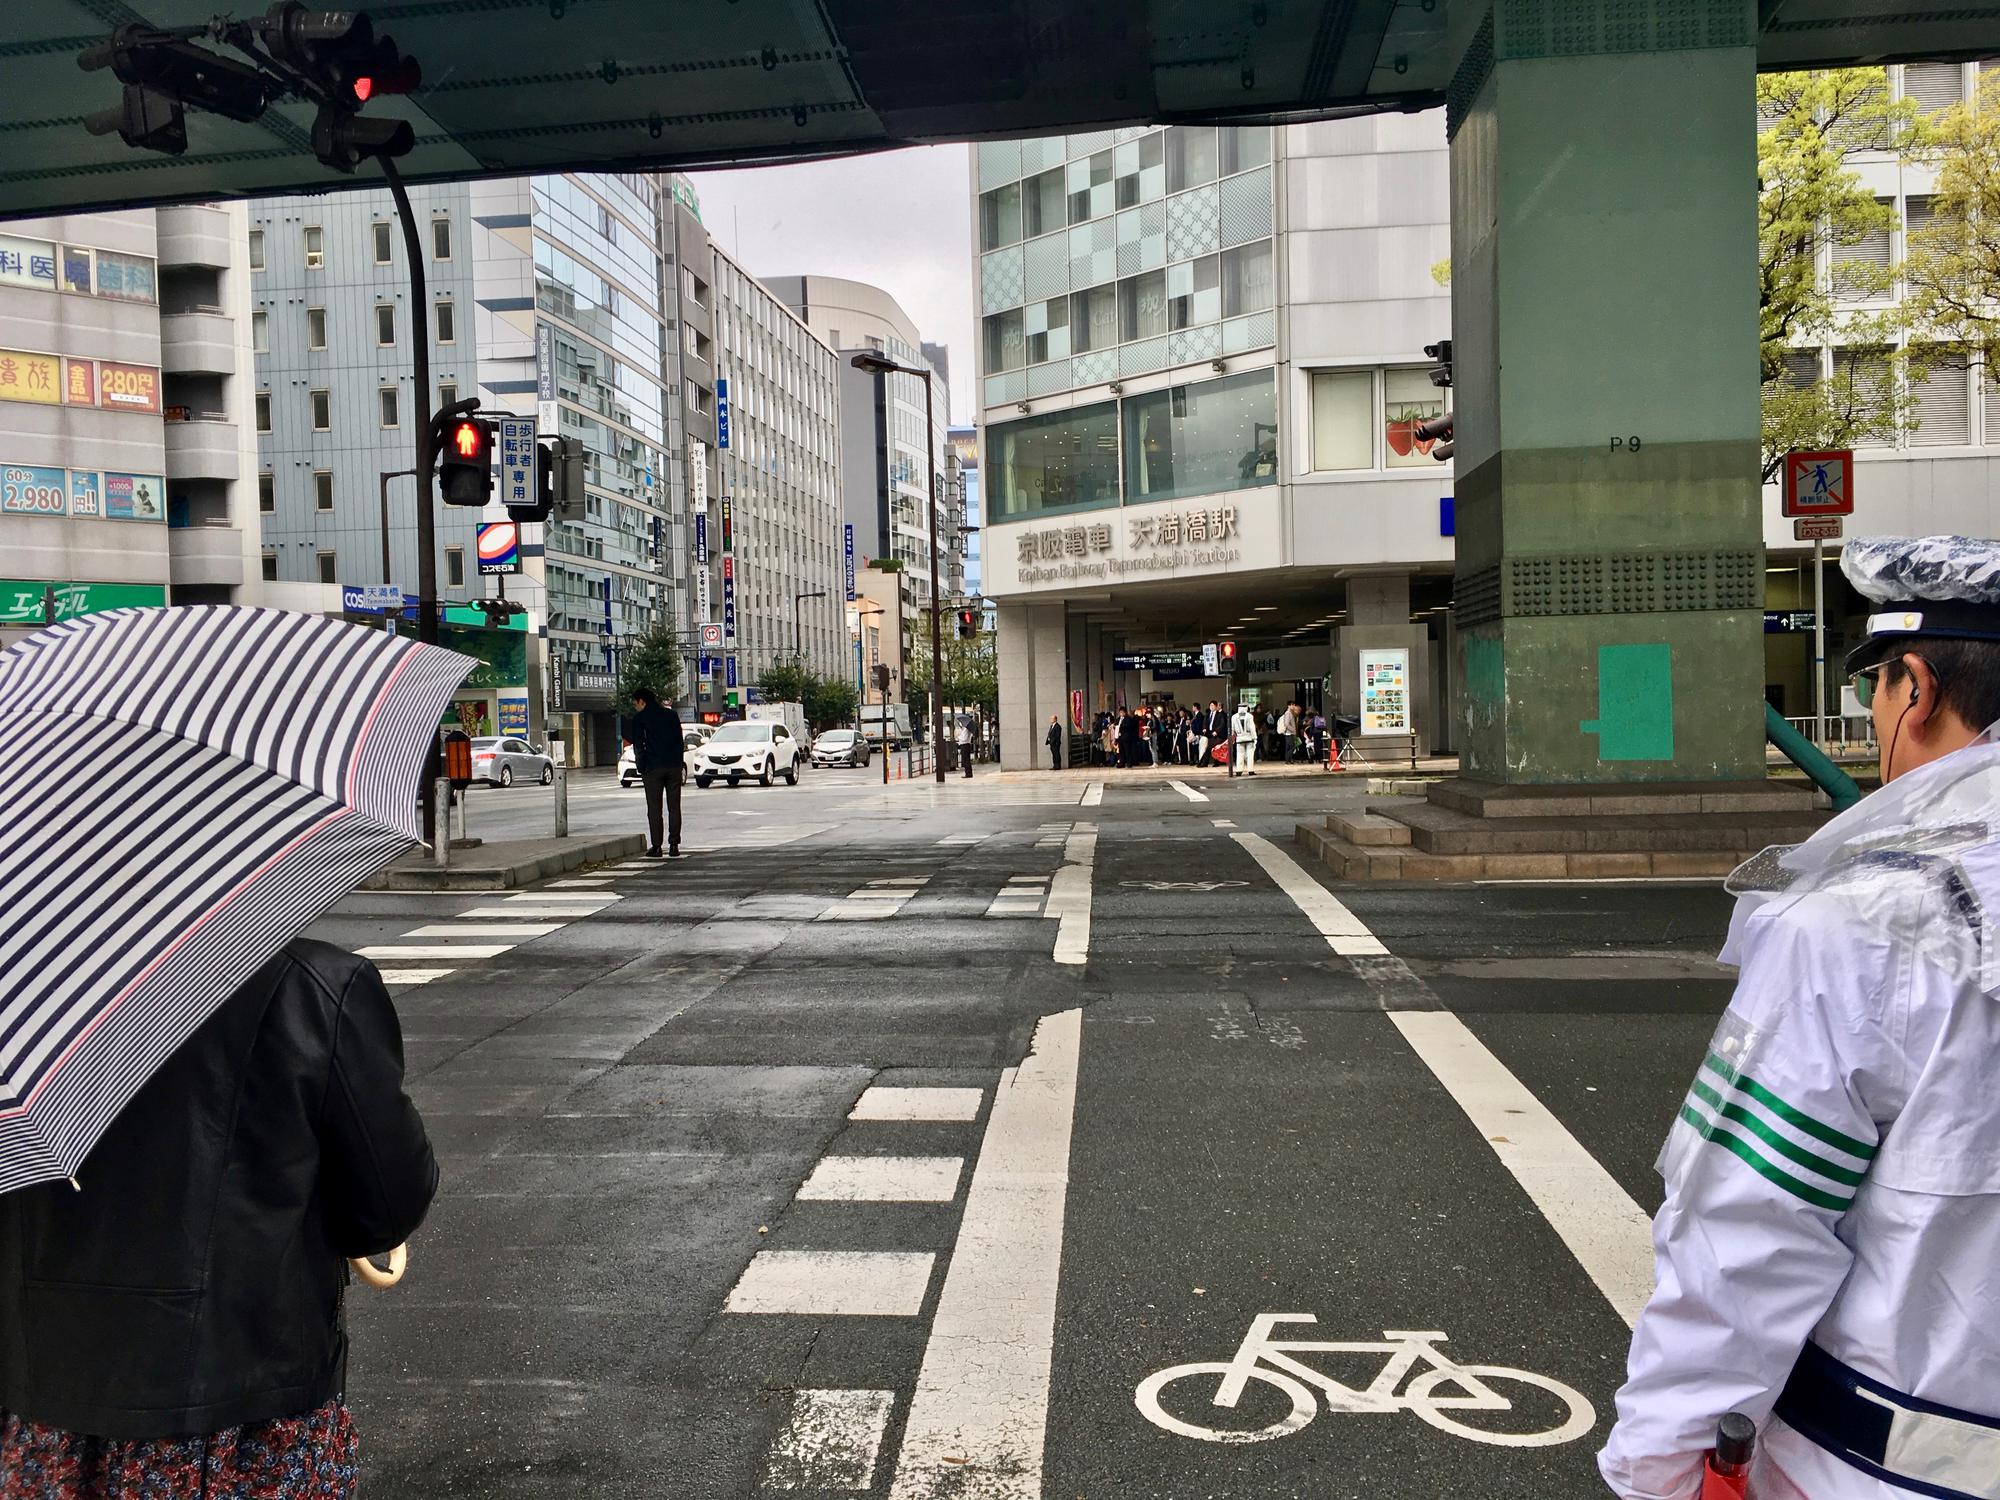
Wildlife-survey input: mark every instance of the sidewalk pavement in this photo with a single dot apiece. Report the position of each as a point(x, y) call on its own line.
point(1428, 768)
point(503, 865)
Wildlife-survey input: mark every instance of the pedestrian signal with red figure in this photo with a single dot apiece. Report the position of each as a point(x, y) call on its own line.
point(1725, 1473)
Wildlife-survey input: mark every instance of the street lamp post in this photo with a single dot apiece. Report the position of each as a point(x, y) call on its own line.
point(798, 621)
point(882, 365)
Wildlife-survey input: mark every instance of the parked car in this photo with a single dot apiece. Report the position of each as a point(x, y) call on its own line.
point(500, 760)
point(628, 768)
point(765, 751)
point(842, 747)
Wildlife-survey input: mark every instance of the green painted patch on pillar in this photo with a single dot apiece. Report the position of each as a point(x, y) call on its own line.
point(1635, 703)
point(1485, 671)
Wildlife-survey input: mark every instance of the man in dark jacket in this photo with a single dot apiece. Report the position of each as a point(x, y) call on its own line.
point(659, 753)
point(191, 1278)
point(1054, 740)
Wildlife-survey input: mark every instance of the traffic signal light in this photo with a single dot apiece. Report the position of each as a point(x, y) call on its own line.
point(880, 676)
point(465, 462)
point(1437, 432)
point(144, 119)
point(339, 51)
point(559, 469)
point(161, 73)
point(1441, 372)
point(1225, 653)
point(968, 622)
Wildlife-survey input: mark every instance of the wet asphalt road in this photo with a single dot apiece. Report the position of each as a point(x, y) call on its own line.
point(668, 1259)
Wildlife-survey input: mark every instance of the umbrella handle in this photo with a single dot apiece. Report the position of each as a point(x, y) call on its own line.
point(374, 1275)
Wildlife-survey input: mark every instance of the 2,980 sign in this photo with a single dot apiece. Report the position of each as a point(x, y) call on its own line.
point(33, 491)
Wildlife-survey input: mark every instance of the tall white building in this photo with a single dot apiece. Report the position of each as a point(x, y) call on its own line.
point(127, 459)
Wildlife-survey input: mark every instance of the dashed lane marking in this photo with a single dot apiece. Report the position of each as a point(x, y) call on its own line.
point(834, 1283)
point(877, 900)
point(487, 929)
point(413, 976)
point(981, 1407)
point(1225, 822)
point(1342, 930)
point(1069, 895)
point(831, 1440)
point(402, 951)
point(883, 1179)
point(1188, 792)
point(931, 1105)
point(523, 913)
point(1093, 795)
point(1022, 896)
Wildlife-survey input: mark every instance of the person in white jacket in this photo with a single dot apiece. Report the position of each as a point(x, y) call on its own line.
point(1243, 728)
point(1828, 1254)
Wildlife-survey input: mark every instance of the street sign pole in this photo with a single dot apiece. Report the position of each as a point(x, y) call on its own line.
point(1819, 642)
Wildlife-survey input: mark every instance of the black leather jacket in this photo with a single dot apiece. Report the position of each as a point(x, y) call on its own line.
point(195, 1280)
point(657, 740)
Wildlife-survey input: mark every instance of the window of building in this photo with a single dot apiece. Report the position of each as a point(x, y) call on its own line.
point(1933, 86)
point(1861, 270)
point(454, 567)
point(1408, 401)
point(315, 328)
point(391, 414)
point(1244, 147)
point(1941, 393)
point(1000, 216)
point(1044, 207)
point(1861, 378)
point(329, 568)
point(384, 246)
point(1060, 462)
point(1343, 419)
point(1191, 156)
point(1142, 306)
point(1092, 187)
point(446, 315)
point(1247, 283)
point(322, 489)
point(1194, 292)
point(441, 239)
point(1047, 325)
point(1093, 319)
point(385, 324)
point(270, 567)
point(263, 411)
point(267, 494)
point(447, 394)
point(315, 247)
point(322, 411)
point(1201, 439)
point(694, 288)
point(260, 331)
point(256, 249)
point(1006, 347)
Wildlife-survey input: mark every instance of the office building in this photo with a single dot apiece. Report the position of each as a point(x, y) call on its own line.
point(965, 458)
point(889, 468)
point(126, 459)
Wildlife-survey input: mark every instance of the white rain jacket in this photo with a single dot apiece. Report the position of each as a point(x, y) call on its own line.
point(1244, 726)
point(1834, 1175)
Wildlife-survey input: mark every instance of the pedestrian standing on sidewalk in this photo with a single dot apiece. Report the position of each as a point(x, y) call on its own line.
point(965, 748)
point(660, 754)
point(1244, 727)
point(1210, 730)
point(1288, 728)
point(274, 1143)
point(1054, 740)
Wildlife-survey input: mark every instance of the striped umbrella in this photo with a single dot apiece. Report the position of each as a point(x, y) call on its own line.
point(185, 789)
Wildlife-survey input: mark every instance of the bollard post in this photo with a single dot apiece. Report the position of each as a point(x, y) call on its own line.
point(561, 788)
point(441, 831)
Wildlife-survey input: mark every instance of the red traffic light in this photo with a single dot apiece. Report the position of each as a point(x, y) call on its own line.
point(468, 438)
point(1227, 650)
point(363, 87)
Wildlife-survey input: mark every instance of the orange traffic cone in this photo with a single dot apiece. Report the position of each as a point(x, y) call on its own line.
point(1726, 1471)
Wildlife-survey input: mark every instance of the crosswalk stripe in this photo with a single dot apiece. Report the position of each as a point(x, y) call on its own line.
point(434, 950)
point(831, 1440)
point(486, 929)
point(834, 1283)
point(883, 1179)
point(414, 976)
point(1342, 930)
point(928, 1105)
point(522, 913)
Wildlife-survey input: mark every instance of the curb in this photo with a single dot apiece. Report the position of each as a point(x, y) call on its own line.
point(572, 854)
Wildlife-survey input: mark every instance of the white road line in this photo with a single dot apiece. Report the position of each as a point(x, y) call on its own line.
point(1225, 822)
point(1027, 880)
point(1188, 792)
point(526, 913)
point(834, 1283)
point(1342, 930)
point(1093, 795)
point(434, 950)
point(942, 1105)
point(831, 1440)
point(884, 1179)
point(1609, 1234)
point(487, 929)
point(582, 881)
point(1069, 896)
point(414, 976)
point(979, 1416)
point(591, 899)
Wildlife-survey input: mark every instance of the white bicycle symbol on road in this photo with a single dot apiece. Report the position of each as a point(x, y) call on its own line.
point(1436, 1394)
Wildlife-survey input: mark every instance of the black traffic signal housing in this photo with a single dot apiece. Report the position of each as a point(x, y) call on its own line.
point(1225, 656)
point(879, 674)
point(968, 623)
point(1437, 432)
point(465, 460)
point(162, 73)
point(1441, 371)
point(559, 472)
point(339, 54)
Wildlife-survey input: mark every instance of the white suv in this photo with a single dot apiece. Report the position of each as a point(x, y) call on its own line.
point(763, 750)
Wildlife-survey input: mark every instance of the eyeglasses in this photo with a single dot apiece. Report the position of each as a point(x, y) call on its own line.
point(1864, 686)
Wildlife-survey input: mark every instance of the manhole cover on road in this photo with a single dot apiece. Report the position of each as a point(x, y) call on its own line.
point(1182, 885)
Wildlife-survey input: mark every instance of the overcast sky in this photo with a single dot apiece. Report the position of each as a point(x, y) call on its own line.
point(901, 220)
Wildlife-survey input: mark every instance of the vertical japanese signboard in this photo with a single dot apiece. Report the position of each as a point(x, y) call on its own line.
point(697, 477)
point(545, 375)
point(728, 597)
point(517, 461)
point(701, 594)
point(721, 413)
point(850, 559)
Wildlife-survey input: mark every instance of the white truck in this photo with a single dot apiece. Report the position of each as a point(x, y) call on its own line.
point(791, 715)
point(886, 724)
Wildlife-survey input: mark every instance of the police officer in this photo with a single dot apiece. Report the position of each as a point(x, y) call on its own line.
point(1828, 1254)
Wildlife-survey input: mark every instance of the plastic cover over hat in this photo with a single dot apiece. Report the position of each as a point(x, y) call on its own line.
point(1927, 586)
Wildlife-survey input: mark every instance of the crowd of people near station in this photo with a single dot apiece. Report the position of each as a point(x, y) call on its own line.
point(1169, 734)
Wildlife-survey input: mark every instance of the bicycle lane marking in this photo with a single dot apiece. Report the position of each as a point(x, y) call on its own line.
point(1608, 1233)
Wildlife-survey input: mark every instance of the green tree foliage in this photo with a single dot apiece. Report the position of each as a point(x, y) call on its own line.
point(785, 682)
point(832, 703)
point(1812, 206)
point(971, 672)
point(1953, 268)
point(652, 661)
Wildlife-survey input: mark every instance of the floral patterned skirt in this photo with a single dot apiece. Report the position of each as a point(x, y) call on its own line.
point(310, 1457)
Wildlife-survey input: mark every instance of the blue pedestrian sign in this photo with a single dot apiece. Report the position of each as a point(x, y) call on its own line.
point(517, 461)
